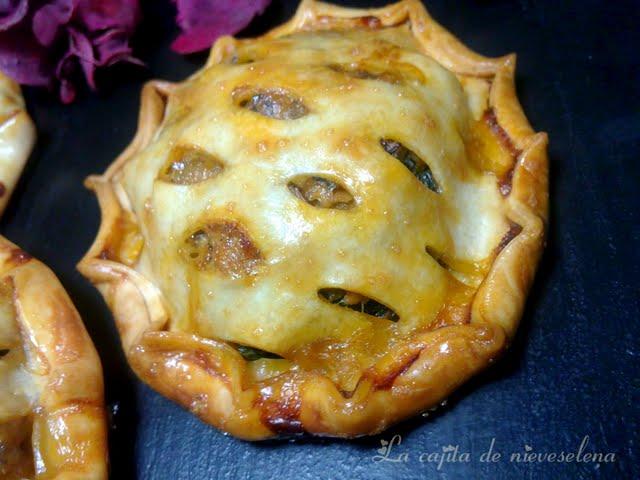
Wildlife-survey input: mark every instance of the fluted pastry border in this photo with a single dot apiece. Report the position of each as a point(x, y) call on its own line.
point(69, 436)
point(421, 372)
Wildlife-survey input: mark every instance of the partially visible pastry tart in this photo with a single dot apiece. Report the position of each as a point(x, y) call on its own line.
point(17, 136)
point(327, 229)
point(52, 417)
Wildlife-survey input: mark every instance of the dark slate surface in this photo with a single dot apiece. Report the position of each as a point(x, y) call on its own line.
point(573, 370)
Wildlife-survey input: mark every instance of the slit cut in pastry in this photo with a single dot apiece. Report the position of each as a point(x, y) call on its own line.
point(362, 225)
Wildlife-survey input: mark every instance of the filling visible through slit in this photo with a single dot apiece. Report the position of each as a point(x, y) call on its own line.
point(275, 103)
point(187, 165)
point(321, 192)
point(251, 354)
point(365, 74)
point(222, 245)
point(357, 302)
point(412, 161)
point(3, 352)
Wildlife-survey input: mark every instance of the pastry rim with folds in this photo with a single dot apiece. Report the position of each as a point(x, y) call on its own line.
point(17, 137)
point(66, 422)
point(62, 367)
point(424, 368)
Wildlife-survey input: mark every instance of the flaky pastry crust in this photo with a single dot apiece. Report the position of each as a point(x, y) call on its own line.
point(17, 137)
point(52, 417)
point(472, 312)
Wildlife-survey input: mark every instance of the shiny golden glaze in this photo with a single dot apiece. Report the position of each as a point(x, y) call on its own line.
point(17, 392)
point(52, 423)
point(419, 195)
point(376, 248)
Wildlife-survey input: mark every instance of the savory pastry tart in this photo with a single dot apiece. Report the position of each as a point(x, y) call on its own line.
point(326, 229)
point(17, 136)
point(52, 418)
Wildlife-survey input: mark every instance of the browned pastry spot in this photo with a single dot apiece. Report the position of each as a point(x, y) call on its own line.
point(368, 21)
point(204, 360)
point(504, 182)
point(513, 232)
point(492, 121)
point(19, 256)
point(280, 409)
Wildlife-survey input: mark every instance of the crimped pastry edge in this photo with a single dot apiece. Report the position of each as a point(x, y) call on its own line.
point(69, 436)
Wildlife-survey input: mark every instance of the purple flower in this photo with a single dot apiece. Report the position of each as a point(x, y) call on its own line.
point(203, 21)
point(47, 42)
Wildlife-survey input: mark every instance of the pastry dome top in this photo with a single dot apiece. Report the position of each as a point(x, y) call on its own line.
point(314, 186)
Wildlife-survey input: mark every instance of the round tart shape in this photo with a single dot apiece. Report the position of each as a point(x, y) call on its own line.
point(52, 417)
point(327, 229)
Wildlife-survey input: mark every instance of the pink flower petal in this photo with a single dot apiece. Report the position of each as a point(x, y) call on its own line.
point(203, 21)
point(49, 19)
point(112, 47)
point(24, 59)
point(67, 92)
point(12, 12)
point(103, 14)
point(64, 71)
point(80, 47)
point(51, 42)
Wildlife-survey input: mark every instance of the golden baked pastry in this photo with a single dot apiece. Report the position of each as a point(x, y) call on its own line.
point(52, 418)
point(326, 229)
point(17, 136)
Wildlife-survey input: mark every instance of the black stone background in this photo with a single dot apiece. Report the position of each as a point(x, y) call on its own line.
point(573, 370)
